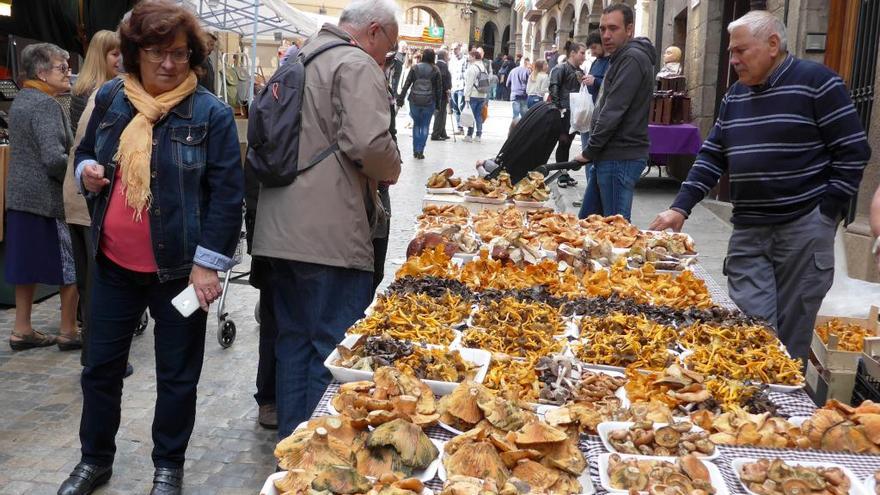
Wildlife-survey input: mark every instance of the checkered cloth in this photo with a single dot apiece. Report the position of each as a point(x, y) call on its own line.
point(794, 404)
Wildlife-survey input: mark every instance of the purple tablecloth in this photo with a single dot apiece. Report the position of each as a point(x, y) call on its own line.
point(681, 139)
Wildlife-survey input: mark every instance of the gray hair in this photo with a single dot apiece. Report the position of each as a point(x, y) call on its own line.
point(361, 13)
point(38, 58)
point(762, 24)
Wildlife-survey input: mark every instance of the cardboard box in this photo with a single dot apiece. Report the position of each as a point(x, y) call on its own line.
point(836, 360)
point(824, 385)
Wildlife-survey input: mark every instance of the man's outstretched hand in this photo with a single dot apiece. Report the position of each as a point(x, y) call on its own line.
point(669, 219)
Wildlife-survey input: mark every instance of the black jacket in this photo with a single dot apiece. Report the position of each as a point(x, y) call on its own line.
point(564, 79)
point(445, 78)
point(619, 129)
point(423, 70)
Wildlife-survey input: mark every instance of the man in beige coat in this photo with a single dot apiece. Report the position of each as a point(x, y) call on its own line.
point(317, 232)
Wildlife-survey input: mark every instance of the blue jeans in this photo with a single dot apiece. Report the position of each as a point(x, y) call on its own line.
point(611, 185)
point(314, 306)
point(421, 116)
point(533, 100)
point(477, 108)
point(457, 106)
point(519, 107)
point(119, 298)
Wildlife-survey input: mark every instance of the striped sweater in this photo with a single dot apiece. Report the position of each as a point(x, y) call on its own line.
point(788, 145)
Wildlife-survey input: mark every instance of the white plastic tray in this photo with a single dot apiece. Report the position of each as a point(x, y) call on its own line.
point(870, 485)
point(715, 476)
point(605, 428)
point(269, 485)
point(485, 200)
point(440, 190)
point(587, 487)
point(857, 486)
point(529, 204)
point(346, 375)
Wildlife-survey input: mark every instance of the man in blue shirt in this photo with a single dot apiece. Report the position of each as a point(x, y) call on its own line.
point(516, 84)
point(792, 143)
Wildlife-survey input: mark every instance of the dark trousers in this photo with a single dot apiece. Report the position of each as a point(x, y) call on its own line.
point(81, 240)
point(439, 130)
point(266, 363)
point(314, 306)
point(564, 147)
point(380, 251)
point(119, 297)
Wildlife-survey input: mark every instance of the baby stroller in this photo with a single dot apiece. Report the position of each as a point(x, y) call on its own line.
point(529, 145)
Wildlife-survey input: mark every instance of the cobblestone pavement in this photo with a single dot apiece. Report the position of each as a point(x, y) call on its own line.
point(40, 398)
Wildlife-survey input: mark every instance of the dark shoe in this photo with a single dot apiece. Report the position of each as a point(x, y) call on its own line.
point(577, 203)
point(69, 343)
point(444, 138)
point(129, 370)
point(167, 481)
point(268, 417)
point(561, 183)
point(415, 154)
point(421, 156)
point(35, 339)
point(85, 478)
point(436, 138)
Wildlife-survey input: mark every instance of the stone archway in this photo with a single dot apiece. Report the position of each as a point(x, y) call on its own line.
point(489, 40)
point(595, 15)
point(550, 35)
point(423, 16)
point(582, 29)
point(566, 25)
point(505, 41)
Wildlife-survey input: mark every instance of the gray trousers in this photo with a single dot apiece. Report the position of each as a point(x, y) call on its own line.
point(782, 273)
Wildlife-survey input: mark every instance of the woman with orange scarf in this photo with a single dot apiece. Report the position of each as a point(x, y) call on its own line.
point(161, 169)
point(38, 247)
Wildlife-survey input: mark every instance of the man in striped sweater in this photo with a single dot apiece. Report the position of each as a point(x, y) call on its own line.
point(789, 137)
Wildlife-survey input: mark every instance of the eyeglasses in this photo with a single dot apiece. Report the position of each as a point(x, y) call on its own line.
point(393, 44)
point(179, 56)
point(63, 68)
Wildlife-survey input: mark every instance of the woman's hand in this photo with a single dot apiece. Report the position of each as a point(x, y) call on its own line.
point(206, 282)
point(93, 178)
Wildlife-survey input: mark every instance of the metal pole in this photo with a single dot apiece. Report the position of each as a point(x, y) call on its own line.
point(253, 72)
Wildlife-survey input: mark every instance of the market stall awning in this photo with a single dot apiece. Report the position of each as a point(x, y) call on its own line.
point(62, 22)
point(247, 17)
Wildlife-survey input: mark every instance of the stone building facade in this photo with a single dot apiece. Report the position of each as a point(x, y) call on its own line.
point(485, 23)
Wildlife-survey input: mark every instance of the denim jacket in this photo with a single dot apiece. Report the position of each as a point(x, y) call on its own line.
point(197, 182)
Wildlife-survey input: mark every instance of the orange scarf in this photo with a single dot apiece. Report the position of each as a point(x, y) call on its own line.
point(39, 85)
point(136, 140)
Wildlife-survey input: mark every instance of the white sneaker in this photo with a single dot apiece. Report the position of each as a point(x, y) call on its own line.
point(477, 139)
point(467, 139)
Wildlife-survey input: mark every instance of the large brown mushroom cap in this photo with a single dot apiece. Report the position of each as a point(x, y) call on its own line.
point(415, 448)
point(538, 433)
point(538, 477)
point(479, 460)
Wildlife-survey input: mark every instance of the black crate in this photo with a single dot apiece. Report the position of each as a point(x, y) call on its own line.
point(866, 387)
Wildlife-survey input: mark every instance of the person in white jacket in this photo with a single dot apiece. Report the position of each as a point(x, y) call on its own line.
point(473, 96)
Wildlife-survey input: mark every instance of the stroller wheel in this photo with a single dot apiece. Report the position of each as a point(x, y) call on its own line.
point(226, 334)
point(142, 324)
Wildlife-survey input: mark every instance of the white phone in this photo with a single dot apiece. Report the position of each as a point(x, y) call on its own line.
point(187, 302)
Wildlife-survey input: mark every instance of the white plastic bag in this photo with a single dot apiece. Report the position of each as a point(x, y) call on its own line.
point(581, 105)
point(467, 116)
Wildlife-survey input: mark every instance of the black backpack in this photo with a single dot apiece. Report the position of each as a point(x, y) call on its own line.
point(275, 120)
point(422, 91)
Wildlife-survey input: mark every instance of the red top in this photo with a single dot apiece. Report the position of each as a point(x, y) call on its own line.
point(125, 240)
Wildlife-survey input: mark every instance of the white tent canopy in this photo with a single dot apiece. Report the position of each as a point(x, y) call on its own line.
point(253, 18)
